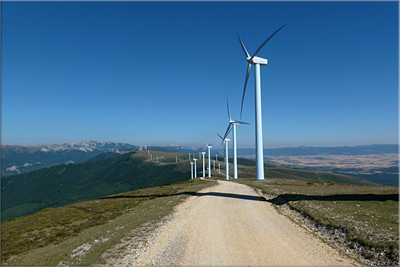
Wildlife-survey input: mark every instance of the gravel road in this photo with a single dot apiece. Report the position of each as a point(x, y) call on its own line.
point(230, 225)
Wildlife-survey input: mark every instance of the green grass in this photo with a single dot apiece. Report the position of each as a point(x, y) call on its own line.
point(370, 214)
point(29, 239)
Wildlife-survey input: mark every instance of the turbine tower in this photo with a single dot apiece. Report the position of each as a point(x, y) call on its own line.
point(195, 168)
point(257, 61)
point(232, 124)
point(191, 169)
point(209, 160)
point(204, 164)
point(226, 140)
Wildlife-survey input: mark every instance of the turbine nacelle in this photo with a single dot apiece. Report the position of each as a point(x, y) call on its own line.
point(237, 122)
point(257, 60)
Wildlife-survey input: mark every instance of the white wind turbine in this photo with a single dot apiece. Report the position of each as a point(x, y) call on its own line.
point(257, 61)
point(232, 125)
point(226, 140)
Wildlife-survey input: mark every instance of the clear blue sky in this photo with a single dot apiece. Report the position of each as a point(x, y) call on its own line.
point(159, 72)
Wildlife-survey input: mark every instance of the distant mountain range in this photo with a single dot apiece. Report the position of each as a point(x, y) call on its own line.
point(24, 158)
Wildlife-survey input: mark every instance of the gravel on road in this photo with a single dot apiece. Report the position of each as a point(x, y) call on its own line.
point(229, 225)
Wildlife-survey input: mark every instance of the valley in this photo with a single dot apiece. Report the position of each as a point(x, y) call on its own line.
point(380, 168)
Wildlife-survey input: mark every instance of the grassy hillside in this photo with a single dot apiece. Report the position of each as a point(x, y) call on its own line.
point(109, 174)
point(51, 236)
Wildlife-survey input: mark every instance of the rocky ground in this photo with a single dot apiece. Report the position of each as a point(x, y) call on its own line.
point(338, 238)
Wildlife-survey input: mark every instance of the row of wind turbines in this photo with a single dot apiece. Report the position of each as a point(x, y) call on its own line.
point(257, 62)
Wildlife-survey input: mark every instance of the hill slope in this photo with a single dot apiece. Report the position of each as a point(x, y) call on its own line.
point(65, 184)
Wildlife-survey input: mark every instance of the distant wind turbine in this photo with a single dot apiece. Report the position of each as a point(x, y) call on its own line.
point(226, 140)
point(204, 164)
point(191, 169)
point(257, 61)
point(195, 168)
point(209, 160)
point(232, 124)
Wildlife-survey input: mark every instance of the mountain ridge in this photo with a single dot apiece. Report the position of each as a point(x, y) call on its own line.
point(18, 159)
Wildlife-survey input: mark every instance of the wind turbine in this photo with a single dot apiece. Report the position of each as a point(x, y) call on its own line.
point(232, 124)
point(226, 140)
point(257, 61)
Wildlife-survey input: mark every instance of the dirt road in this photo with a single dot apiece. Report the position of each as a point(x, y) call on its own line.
point(230, 225)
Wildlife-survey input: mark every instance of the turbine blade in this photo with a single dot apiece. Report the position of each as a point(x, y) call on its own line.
point(227, 129)
point(243, 47)
point(245, 85)
point(221, 138)
point(266, 41)
point(229, 113)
